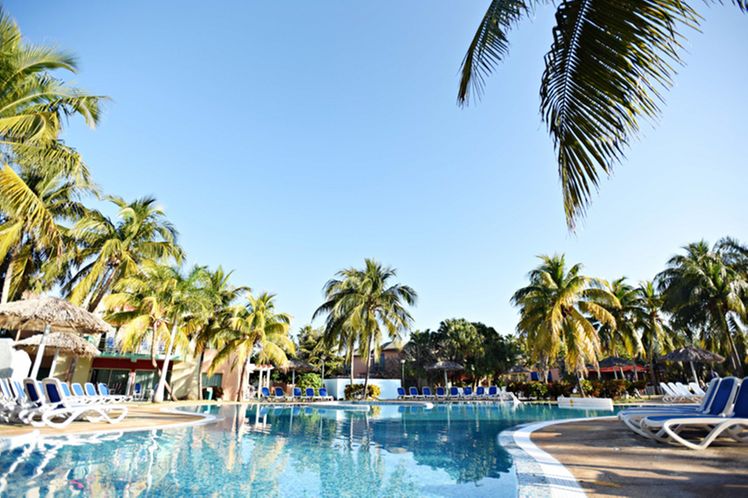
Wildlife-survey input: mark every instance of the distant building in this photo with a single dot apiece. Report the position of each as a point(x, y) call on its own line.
point(388, 366)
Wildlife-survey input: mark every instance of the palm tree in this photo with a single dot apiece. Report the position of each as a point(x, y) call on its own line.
point(624, 337)
point(112, 250)
point(223, 296)
point(180, 303)
point(34, 101)
point(607, 67)
point(656, 335)
point(360, 303)
point(36, 206)
point(255, 329)
point(556, 313)
point(705, 288)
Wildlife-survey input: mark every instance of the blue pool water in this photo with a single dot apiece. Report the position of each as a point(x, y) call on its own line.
point(392, 451)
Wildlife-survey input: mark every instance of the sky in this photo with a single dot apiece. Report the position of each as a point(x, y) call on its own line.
point(288, 140)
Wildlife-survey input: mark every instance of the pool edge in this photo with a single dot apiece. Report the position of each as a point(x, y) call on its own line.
point(538, 473)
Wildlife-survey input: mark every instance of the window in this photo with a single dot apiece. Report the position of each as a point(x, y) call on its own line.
point(215, 380)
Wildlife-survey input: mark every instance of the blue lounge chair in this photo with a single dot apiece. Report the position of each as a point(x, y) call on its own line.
point(426, 390)
point(296, 393)
point(401, 393)
point(440, 393)
point(633, 416)
point(652, 426)
point(454, 392)
point(109, 397)
point(734, 423)
point(480, 392)
point(493, 392)
point(57, 405)
point(413, 392)
point(310, 393)
point(265, 393)
point(278, 394)
point(467, 392)
point(323, 395)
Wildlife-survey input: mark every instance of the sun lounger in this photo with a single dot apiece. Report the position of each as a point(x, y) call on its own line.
point(401, 393)
point(295, 394)
point(480, 392)
point(309, 393)
point(696, 389)
point(493, 392)
point(109, 397)
point(454, 393)
point(413, 392)
point(733, 420)
point(426, 392)
point(441, 393)
point(323, 395)
point(279, 394)
point(632, 417)
point(265, 393)
point(467, 393)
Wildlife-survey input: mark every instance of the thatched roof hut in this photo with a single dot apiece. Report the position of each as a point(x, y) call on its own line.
point(62, 342)
point(60, 315)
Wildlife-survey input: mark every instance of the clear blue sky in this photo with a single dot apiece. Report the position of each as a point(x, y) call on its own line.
point(289, 139)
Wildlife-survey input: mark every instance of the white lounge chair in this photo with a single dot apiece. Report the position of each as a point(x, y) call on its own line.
point(735, 423)
point(58, 406)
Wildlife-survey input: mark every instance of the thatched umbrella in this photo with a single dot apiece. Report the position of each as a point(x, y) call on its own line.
point(447, 366)
point(59, 342)
point(615, 361)
point(692, 354)
point(293, 365)
point(43, 314)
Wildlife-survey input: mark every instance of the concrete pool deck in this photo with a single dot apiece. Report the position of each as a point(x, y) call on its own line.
point(609, 460)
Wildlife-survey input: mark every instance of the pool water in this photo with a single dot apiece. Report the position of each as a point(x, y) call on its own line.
point(391, 451)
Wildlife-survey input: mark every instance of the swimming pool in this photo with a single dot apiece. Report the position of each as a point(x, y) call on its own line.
point(393, 450)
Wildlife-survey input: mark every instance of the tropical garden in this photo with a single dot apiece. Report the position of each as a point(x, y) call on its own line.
point(60, 233)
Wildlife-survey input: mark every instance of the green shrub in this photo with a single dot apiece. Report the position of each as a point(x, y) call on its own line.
point(354, 391)
point(537, 390)
point(615, 388)
point(560, 388)
point(309, 380)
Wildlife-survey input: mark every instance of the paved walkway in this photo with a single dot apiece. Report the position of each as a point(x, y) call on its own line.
point(609, 460)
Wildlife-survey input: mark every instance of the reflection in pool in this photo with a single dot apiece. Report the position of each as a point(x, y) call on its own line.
point(393, 450)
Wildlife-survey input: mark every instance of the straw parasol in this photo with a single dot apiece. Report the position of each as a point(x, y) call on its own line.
point(613, 362)
point(692, 354)
point(447, 366)
point(296, 365)
point(64, 342)
point(43, 314)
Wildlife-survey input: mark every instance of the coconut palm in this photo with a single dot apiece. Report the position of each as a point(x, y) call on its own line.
point(607, 68)
point(111, 250)
point(255, 330)
point(223, 296)
point(35, 209)
point(360, 303)
point(557, 310)
point(34, 101)
point(178, 301)
point(656, 335)
point(624, 337)
point(706, 289)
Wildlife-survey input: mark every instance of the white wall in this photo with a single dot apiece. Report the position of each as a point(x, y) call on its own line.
point(336, 387)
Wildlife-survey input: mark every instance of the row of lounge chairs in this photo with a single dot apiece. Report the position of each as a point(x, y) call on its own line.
point(676, 392)
point(722, 411)
point(309, 394)
point(52, 403)
point(456, 394)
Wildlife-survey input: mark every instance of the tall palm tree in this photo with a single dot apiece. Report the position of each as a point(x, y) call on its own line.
point(363, 302)
point(34, 101)
point(111, 250)
point(556, 313)
point(223, 296)
point(624, 337)
point(35, 209)
point(656, 335)
point(705, 288)
point(181, 304)
point(255, 330)
point(607, 68)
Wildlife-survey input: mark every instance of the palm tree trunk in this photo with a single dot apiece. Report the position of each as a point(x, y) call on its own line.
point(200, 375)
point(579, 383)
point(103, 290)
point(242, 380)
point(159, 396)
point(351, 352)
point(8, 277)
point(368, 366)
point(737, 364)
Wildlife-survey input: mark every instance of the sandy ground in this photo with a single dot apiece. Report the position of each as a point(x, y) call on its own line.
point(609, 460)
